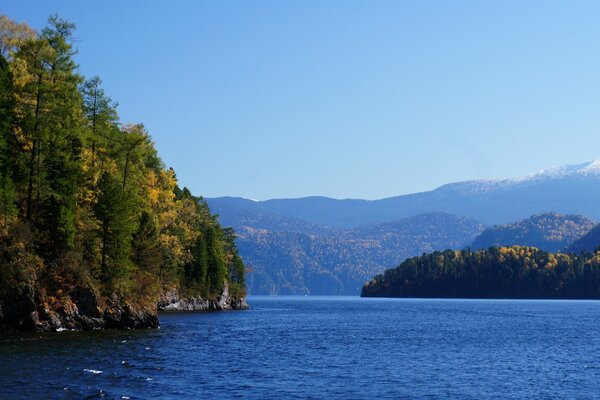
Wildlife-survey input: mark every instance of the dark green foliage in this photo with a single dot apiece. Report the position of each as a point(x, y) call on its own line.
point(216, 264)
point(198, 268)
point(8, 196)
point(236, 266)
point(6, 114)
point(101, 116)
point(115, 214)
point(57, 210)
point(85, 201)
point(499, 272)
point(237, 271)
point(146, 255)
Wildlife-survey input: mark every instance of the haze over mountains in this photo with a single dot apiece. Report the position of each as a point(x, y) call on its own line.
point(324, 240)
point(571, 189)
point(340, 262)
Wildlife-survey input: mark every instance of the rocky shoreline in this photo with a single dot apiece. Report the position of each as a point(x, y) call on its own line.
point(26, 311)
point(170, 300)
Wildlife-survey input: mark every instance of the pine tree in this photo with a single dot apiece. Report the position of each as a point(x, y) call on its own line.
point(117, 225)
point(83, 194)
point(101, 115)
point(216, 264)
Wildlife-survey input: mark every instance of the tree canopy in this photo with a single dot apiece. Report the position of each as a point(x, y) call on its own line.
point(85, 199)
point(498, 272)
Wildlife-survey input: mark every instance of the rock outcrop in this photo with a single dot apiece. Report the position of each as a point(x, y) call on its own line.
point(26, 310)
point(171, 300)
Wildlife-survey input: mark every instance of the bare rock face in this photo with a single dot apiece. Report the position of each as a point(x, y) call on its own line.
point(122, 315)
point(26, 311)
point(170, 300)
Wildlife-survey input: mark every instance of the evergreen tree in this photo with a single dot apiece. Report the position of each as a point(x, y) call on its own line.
point(86, 197)
point(6, 115)
point(197, 269)
point(216, 265)
point(101, 115)
point(116, 228)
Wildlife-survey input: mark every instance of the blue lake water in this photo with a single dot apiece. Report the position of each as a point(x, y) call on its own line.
point(324, 347)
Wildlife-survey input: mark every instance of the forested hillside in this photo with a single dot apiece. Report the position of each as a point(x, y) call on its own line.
point(91, 220)
point(586, 243)
point(499, 272)
point(548, 231)
point(339, 262)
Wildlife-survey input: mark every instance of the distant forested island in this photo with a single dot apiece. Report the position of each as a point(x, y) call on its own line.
point(95, 231)
point(498, 272)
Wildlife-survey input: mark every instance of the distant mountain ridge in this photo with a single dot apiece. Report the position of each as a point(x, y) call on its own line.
point(548, 231)
point(570, 189)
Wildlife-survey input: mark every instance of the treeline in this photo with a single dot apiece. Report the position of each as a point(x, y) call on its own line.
point(548, 231)
point(499, 272)
point(85, 200)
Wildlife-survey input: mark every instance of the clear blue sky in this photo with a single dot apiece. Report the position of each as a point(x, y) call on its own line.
point(359, 99)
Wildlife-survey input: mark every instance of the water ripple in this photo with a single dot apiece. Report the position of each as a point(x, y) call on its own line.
point(304, 348)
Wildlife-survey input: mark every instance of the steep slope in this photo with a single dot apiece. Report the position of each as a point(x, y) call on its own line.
point(571, 189)
point(300, 263)
point(548, 231)
point(586, 243)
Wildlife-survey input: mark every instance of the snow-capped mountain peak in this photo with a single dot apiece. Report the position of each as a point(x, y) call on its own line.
point(588, 168)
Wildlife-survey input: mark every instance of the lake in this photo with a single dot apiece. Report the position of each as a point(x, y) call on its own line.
point(323, 347)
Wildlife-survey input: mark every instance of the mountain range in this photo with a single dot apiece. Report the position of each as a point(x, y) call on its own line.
point(320, 245)
point(571, 189)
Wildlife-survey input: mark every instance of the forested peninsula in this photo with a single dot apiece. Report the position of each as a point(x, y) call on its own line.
point(498, 272)
point(95, 231)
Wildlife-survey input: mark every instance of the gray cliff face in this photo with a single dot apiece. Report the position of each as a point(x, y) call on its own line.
point(82, 309)
point(170, 300)
point(28, 310)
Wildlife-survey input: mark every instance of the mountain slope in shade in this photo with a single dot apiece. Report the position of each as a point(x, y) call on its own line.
point(302, 263)
point(587, 243)
point(571, 189)
point(549, 231)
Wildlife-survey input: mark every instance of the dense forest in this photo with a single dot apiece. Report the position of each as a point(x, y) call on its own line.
point(499, 272)
point(548, 231)
point(85, 201)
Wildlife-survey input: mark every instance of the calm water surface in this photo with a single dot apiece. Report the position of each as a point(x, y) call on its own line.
point(336, 347)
